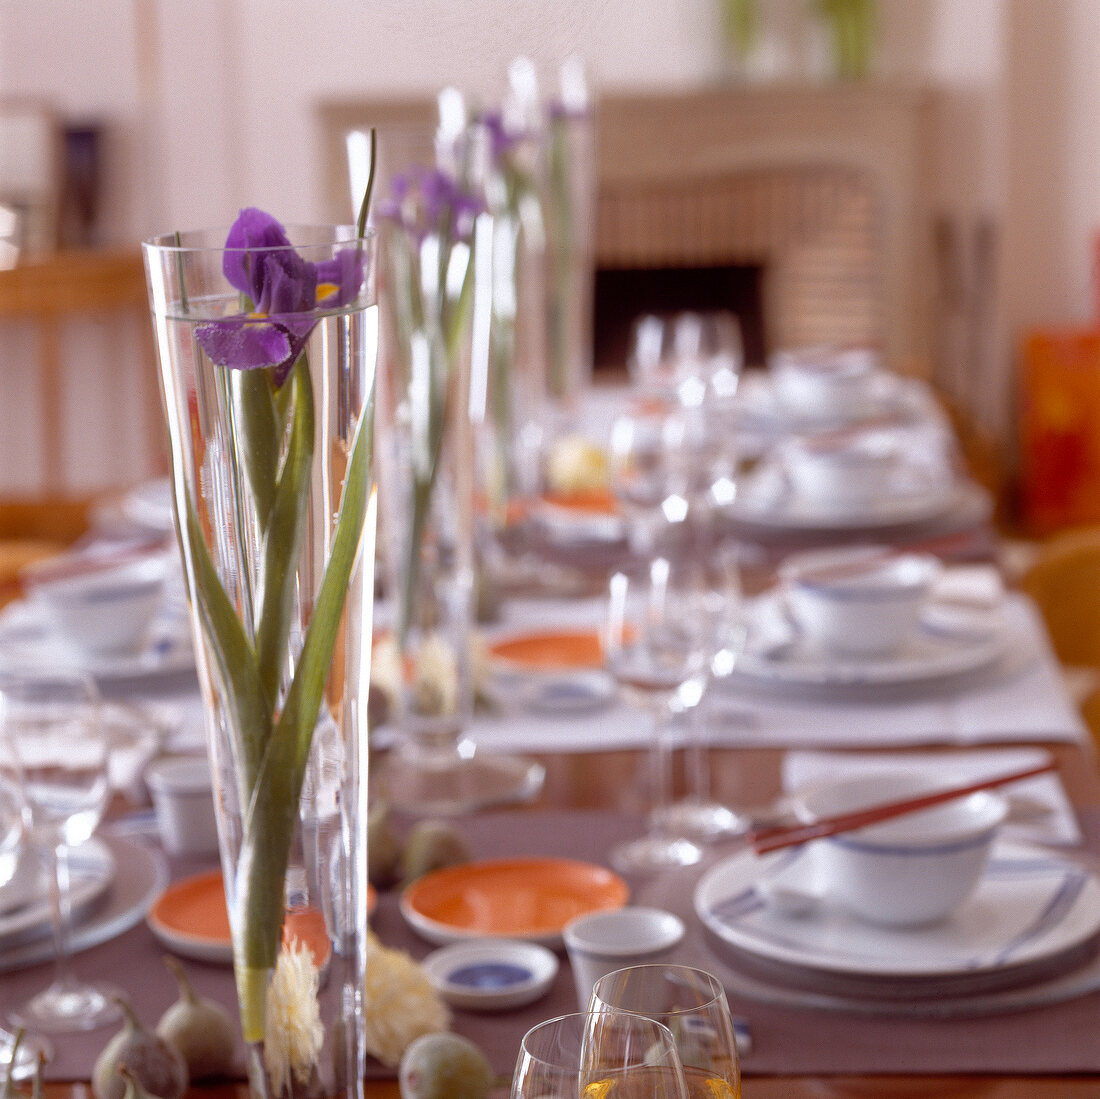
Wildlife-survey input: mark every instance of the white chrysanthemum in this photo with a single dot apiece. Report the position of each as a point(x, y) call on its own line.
point(294, 1033)
point(576, 464)
point(435, 689)
point(399, 1005)
point(385, 667)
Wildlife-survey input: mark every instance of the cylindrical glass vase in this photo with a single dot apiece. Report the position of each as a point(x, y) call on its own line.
point(266, 342)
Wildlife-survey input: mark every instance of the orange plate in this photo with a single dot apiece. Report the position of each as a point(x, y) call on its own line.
point(551, 650)
point(595, 502)
point(530, 898)
point(190, 918)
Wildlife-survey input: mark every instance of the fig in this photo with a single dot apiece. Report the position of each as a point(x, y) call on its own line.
point(134, 1087)
point(444, 1066)
point(432, 845)
point(383, 848)
point(199, 1028)
point(158, 1066)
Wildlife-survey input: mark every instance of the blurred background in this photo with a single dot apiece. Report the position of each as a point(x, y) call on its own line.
point(952, 171)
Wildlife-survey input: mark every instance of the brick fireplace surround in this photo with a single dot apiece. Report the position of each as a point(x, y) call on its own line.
point(822, 188)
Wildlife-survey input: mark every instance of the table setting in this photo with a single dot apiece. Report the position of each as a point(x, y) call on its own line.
point(535, 762)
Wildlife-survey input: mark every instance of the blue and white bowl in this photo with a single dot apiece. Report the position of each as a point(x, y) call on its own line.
point(909, 871)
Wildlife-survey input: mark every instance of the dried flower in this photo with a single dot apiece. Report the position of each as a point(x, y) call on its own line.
point(399, 1005)
point(294, 1031)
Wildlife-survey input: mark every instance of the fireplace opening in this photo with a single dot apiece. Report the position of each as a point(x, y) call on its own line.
point(623, 294)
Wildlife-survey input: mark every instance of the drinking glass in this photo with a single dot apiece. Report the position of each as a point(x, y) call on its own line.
point(613, 1055)
point(51, 720)
point(691, 1003)
point(13, 849)
point(655, 648)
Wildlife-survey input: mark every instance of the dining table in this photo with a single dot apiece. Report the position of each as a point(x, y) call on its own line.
point(991, 696)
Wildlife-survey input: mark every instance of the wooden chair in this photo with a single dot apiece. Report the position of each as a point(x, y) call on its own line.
point(52, 296)
point(1064, 581)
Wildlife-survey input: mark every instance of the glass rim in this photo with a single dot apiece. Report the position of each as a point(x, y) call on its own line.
point(203, 241)
point(716, 988)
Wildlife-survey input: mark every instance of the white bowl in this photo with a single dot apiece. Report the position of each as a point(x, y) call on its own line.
point(104, 611)
point(183, 800)
point(825, 383)
point(847, 472)
point(860, 600)
point(601, 942)
point(914, 869)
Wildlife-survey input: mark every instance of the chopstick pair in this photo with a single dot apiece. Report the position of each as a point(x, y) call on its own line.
point(764, 840)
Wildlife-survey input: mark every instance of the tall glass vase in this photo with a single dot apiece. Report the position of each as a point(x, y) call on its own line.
point(267, 348)
point(434, 300)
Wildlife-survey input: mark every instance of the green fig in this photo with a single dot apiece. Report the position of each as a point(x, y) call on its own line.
point(444, 1066)
point(383, 847)
point(200, 1029)
point(432, 845)
point(159, 1066)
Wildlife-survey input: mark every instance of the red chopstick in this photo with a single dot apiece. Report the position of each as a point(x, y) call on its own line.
point(774, 839)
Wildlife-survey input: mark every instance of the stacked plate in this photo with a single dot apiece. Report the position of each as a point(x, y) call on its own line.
point(1029, 933)
point(112, 881)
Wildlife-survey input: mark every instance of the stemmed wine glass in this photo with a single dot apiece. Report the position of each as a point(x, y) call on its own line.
point(51, 719)
point(612, 1055)
point(13, 849)
point(655, 647)
point(692, 1004)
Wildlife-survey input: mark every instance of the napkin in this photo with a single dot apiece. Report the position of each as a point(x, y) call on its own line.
point(1043, 813)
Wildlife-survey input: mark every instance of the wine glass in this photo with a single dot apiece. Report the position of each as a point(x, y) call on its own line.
point(655, 647)
point(692, 1004)
point(51, 719)
point(13, 852)
point(615, 1055)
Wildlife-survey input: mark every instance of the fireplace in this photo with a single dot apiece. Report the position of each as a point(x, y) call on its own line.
point(817, 193)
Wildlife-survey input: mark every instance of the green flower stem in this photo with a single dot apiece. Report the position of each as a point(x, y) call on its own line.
point(272, 813)
point(283, 534)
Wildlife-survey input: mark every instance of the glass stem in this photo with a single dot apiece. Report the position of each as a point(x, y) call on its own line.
point(60, 910)
point(696, 761)
point(661, 763)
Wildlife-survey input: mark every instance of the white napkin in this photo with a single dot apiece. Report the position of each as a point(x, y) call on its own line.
point(1058, 825)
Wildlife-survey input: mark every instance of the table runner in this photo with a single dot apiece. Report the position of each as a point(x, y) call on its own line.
point(1061, 1038)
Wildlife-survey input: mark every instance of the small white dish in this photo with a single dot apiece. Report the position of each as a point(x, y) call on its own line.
point(491, 974)
point(860, 600)
point(909, 871)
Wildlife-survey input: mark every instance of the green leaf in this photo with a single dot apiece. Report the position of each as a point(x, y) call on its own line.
point(234, 655)
point(257, 431)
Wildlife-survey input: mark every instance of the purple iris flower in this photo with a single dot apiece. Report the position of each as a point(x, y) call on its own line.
point(422, 200)
point(285, 291)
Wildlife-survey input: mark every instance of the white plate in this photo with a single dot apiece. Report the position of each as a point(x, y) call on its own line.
point(91, 871)
point(140, 874)
point(1031, 906)
point(779, 655)
point(26, 640)
point(491, 975)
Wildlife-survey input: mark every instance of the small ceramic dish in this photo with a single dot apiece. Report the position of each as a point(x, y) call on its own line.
point(845, 473)
point(491, 974)
point(828, 382)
